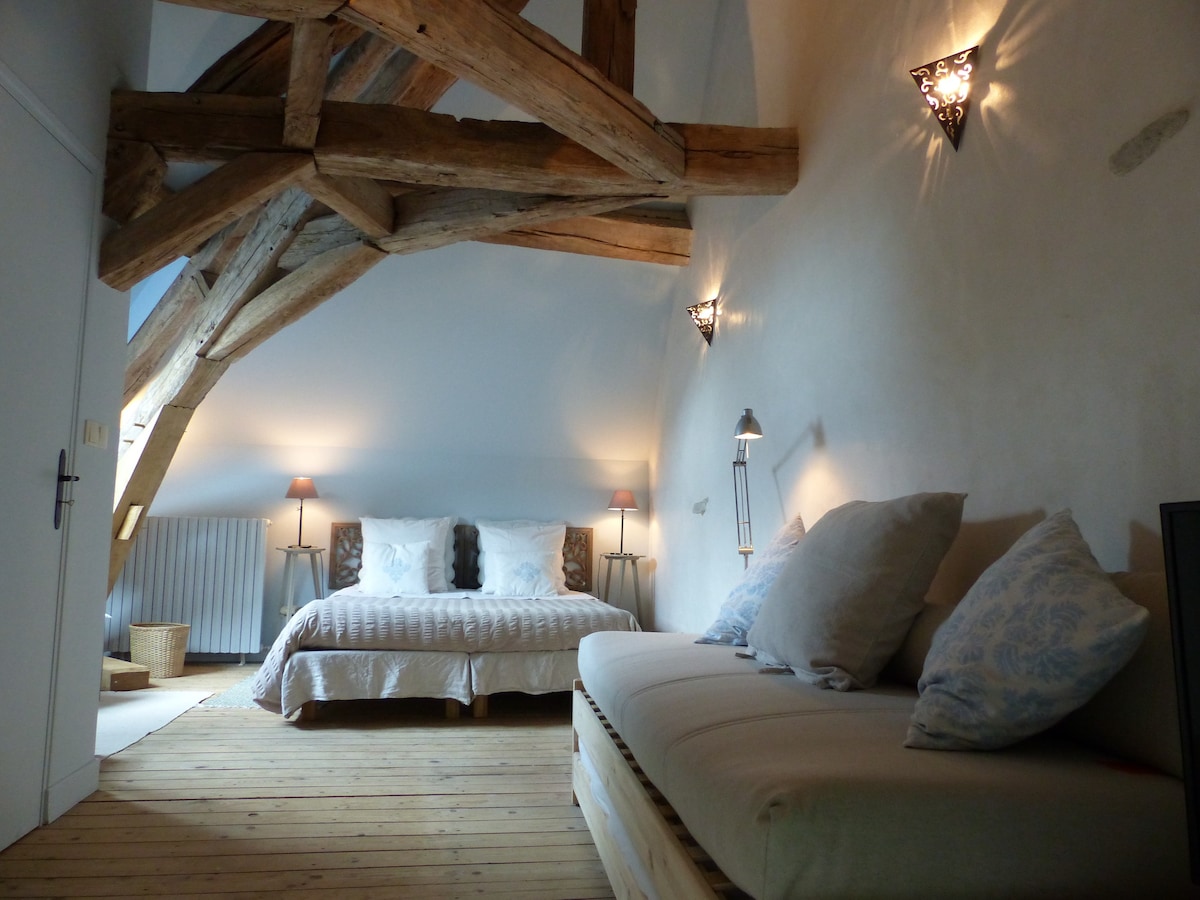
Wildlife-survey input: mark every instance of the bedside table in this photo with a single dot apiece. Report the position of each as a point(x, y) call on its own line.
point(317, 563)
point(625, 559)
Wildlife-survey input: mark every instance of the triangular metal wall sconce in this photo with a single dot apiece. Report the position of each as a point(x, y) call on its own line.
point(946, 86)
point(704, 314)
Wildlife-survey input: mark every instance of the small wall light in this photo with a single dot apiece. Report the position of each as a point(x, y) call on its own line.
point(946, 86)
point(301, 489)
point(622, 500)
point(747, 429)
point(705, 316)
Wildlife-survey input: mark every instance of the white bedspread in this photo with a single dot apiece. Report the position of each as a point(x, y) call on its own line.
point(456, 622)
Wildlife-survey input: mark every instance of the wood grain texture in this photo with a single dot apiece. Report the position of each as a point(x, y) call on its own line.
point(655, 236)
point(312, 46)
point(178, 225)
point(362, 202)
point(285, 10)
point(133, 180)
point(375, 800)
point(610, 37)
point(291, 297)
point(439, 216)
point(518, 62)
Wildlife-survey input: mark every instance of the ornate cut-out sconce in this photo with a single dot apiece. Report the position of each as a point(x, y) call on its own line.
point(946, 86)
point(705, 316)
point(747, 429)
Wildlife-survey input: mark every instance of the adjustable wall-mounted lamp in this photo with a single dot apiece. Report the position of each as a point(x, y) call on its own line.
point(946, 86)
point(747, 429)
point(705, 316)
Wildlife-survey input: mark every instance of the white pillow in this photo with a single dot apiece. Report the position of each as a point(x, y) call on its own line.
point(1040, 632)
point(389, 570)
point(740, 609)
point(525, 573)
point(520, 536)
point(439, 532)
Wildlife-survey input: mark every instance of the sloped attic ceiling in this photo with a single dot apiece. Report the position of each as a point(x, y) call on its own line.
point(322, 157)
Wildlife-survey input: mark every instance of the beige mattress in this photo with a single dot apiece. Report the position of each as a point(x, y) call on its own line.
point(460, 625)
point(797, 791)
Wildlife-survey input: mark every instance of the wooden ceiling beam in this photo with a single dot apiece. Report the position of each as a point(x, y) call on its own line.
point(133, 180)
point(284, 10)
point(178, 225)
point(392, 143)
point(436, 217)
point(258, 65)
point(641, 235)
point(312, 46)
point(291, 297)
point(178, 345)
point(518, 62)
point(361, 201)
point(609, 38)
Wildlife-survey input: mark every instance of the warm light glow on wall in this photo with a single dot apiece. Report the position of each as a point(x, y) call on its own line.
point(946, 86)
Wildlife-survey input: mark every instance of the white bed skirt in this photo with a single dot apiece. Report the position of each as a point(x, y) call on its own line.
point(390, 674)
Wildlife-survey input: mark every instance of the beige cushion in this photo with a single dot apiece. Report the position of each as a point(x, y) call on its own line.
point(1135, 715)
point(909, 661)
point(848, 593)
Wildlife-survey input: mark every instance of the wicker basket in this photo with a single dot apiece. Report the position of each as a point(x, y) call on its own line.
point(159, 646)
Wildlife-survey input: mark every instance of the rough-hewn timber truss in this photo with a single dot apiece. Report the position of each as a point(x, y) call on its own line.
point(323, 168)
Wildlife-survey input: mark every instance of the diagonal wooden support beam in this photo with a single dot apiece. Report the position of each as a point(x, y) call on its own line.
point(177, 226)
point(258, 65)
point(439, 216)
point(285, 10)
point(643, 235)
point(291, 297)
point(312, 45)
point(515, 60)
point(609, 31)
point(361, 201)
point(133, 180)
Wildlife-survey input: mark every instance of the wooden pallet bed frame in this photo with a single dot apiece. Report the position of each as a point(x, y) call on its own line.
point(676, 865)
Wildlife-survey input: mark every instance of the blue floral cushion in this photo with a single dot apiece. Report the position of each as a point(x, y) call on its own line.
point(1042, 630)
point(740, 608)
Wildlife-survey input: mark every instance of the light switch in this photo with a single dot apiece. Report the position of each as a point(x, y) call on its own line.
point(95, 434)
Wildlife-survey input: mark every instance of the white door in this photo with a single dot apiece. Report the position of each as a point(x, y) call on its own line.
point(46, 198)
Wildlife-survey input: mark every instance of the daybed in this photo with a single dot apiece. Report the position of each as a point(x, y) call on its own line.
point(702, 775)
point(447, 637)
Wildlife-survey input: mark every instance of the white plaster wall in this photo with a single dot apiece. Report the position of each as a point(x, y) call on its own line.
point(1012, 320)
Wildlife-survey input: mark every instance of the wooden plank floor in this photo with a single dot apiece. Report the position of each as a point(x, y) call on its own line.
point(371, 800)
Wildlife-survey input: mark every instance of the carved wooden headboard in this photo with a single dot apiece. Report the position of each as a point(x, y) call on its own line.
point(346, 544)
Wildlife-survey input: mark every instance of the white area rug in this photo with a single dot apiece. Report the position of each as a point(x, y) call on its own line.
point(236, 697)
point(125, 717)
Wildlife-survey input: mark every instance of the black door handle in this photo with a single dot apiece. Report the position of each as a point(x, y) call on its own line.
point(59, 489)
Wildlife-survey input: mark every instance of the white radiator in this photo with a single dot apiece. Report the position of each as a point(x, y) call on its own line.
point(205, 572)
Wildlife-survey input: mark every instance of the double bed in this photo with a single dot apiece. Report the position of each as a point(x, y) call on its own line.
point(507, 616)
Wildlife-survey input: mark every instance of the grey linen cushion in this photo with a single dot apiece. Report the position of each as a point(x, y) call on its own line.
point(1040, 632)
point(845, 598)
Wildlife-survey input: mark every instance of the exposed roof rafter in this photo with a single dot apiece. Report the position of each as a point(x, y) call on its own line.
point(328, 158)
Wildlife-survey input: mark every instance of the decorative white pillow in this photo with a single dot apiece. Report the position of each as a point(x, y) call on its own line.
point(439, 532)
point(846, 597)
point(520, 536)
point(389, 570)
point(528, 573)
point(1040, 632)
point(740, 608)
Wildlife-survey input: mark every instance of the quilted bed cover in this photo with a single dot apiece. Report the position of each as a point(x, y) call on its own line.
point(456, 622)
